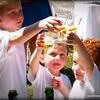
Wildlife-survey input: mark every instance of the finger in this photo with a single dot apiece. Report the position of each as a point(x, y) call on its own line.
point(51, 29)
point(69, 42)
point(40, 36)
point(40, 45)
point(69, 34)
point(54, 22)
point(55, 85)
point(56, 27)
point(58, 21)
point(70, 37)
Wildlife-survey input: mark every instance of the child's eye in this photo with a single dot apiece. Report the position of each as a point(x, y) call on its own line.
point(62, 55)
point(11, 13)
point(53, 54)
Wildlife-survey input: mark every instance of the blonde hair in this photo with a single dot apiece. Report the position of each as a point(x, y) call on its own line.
point(3, 3)
point(61, 44)
point(55, 45)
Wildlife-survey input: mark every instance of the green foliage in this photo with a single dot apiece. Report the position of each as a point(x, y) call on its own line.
point(49, 93)
point(70, 48)
point(30, 92)
point(69, 61)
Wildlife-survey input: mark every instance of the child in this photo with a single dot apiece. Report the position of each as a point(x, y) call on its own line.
point(12, 39)
point(91, 80)
point(49, 76)
point(81, 84)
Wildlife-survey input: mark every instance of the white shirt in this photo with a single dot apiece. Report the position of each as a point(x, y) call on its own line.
point(95, 81)
point(12, 67)
point(90, 89)
point(43, 80)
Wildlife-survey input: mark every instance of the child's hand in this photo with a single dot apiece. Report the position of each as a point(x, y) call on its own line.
point(57, 83)
point(72, 38)
point(40, 41)
point(51, 23)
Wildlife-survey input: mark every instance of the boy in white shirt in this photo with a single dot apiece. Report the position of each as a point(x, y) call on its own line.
point(49, 76)
point(86, 72)
point(12, 39)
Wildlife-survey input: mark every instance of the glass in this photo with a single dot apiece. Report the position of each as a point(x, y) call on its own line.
point(50, 38)
point(68, 26)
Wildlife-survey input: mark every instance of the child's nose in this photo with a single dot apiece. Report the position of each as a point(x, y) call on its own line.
point(57, 57)
point(19, 15)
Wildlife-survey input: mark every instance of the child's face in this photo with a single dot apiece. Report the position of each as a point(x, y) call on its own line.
point(56, 57)
point(77, 67)
point(12, 17)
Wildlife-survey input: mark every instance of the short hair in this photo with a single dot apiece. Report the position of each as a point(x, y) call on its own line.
point(3, 2)
point(93, 47)
point(57, 43)
point(6, 2)
point(61, 44)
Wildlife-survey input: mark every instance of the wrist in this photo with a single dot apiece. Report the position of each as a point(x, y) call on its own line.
point(41, 25)
point(39, 49)
point(78, 44)
point(38, 26)
point(64, 90)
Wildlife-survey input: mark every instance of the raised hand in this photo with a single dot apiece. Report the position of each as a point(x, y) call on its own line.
point(71, 38)
point(55, 83)
point(40, 41)
point(51, 23)
point(59, 85)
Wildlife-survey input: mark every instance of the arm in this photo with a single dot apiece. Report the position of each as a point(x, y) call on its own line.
point(34, 61)
point(32, 30)
point(35, 58)
point(86, 59)
point(64, 90)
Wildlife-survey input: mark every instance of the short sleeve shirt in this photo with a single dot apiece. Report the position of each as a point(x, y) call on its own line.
point(43, 80)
